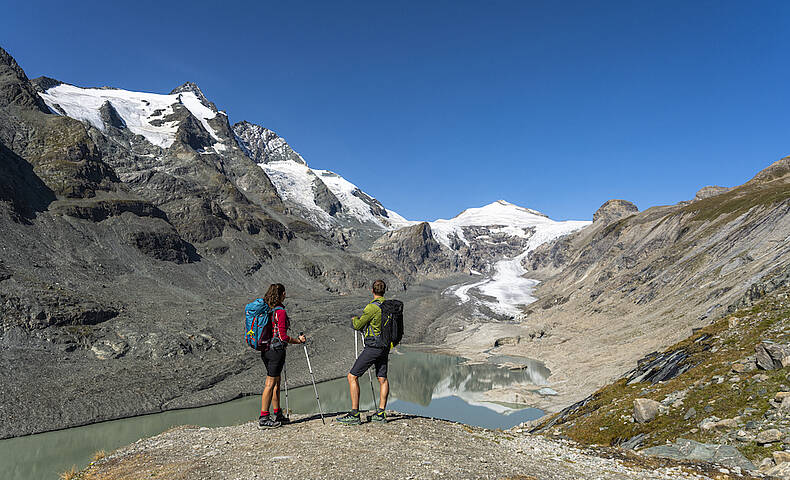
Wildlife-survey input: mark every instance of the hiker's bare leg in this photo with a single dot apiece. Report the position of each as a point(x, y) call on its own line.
point(276, 394)
point(266, 396)
point(353, 387)
point(384, 392)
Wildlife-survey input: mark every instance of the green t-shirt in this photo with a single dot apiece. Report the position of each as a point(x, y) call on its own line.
point(370, 321)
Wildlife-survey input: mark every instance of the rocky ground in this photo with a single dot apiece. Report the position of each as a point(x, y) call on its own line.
point(719, 393)
point(405, 448)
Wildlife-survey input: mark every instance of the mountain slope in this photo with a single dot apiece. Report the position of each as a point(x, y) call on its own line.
point(131, 239)
point(323, 197)
point(719, 386)
point(635, 282)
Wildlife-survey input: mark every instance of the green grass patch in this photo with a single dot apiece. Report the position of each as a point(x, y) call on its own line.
point(725, 207)
point(606, 419)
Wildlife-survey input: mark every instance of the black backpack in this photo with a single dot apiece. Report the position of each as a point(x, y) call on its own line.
point(391, 322)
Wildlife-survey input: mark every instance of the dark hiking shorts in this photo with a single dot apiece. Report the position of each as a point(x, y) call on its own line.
point(274, 361)
point(372, 356)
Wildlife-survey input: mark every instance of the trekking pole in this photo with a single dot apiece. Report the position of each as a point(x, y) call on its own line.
point(370, 377)
point(309, 367)
point(285, 379)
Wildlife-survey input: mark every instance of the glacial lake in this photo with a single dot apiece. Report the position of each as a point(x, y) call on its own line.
point(424, 384)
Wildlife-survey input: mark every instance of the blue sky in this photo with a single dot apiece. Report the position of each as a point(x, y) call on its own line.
point(434, 107)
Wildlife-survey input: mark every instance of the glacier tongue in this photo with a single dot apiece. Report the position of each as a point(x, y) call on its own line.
point(507, 284)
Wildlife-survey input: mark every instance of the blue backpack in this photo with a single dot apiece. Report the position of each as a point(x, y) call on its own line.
point(256, 315)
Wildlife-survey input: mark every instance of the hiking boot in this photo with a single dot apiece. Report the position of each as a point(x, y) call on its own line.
point(379, 416)
point(268, 422)
point(279, 417)
point(349, 419)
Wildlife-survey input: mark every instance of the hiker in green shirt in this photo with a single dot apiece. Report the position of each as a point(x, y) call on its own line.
point(374, 353)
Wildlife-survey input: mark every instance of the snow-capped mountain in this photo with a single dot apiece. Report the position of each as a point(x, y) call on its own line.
point(496, 238)
point(321, 197)
point(492, 240)
point(150, 115)
point(500, 219)
point(324, 197)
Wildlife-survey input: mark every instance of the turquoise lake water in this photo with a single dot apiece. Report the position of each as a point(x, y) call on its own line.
point(424, 384)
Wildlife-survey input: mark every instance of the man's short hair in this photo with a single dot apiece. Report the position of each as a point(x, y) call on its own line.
point(379, 287)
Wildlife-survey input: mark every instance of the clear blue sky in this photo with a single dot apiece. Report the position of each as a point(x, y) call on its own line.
point(434, 107)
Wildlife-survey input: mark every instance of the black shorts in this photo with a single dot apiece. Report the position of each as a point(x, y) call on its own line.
point(274, 361)
point(372, 356)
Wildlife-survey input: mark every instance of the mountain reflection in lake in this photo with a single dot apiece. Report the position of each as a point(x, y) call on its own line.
point(421, 384)
point(421, 377)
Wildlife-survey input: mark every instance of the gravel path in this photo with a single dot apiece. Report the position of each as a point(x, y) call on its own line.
point(407, 447)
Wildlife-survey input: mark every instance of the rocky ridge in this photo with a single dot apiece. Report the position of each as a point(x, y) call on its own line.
point(419, 448)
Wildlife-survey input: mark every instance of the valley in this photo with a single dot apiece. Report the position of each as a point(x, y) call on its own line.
point(135, 227)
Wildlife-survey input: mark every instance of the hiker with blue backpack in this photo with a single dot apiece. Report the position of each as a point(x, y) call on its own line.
point(267, 330)
point(381, 325)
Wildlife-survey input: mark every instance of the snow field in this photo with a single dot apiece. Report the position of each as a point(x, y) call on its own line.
point(294, 182)
point(137, 109)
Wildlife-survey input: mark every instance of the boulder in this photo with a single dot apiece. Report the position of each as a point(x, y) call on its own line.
point(684, 449)
point(727, 423)
point(769, 354)
point(780, 396)
point(614, 210)
point(744, 366)
point(658, 367)
point(768, 436)
point(766, 464)
point(743, 436)
point(781, 457)
point(107, 349)
point(780, 471)
point(634, 442)
point(645, 409)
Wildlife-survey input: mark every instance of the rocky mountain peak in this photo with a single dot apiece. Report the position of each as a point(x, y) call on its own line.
point(263, 145)
point(193, 88)
point(15, 88)
point(776, 170)
point(110, 116)
point(42, 84)
point(410, 251)
point(709, 191)
point(614, 210)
